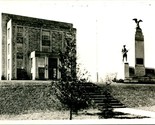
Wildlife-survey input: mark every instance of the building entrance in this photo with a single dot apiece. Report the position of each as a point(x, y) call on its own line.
point(52, 68)
point(41, 73)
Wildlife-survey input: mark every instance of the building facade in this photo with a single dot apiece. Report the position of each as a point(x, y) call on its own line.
point(31, 46)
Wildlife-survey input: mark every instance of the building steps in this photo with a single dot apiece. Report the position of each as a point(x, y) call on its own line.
point(100, 97)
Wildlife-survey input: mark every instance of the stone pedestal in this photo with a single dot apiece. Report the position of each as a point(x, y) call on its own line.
point(126, 70)
point(139, 53)
point(139, 70)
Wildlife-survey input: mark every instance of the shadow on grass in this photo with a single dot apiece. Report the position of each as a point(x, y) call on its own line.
point(116, 115)
point(121, 115)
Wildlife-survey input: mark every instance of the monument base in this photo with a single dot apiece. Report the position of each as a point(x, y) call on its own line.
point(126, 70)
point(140, 75)
point(139, 70)
point(146, 80)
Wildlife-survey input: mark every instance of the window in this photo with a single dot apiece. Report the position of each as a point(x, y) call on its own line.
point(19, 47)
point(45, 43)
point(41, 61)
point(19, 55)
point(45, 35)
point(19, 40)
point(8, 33)
point(45, 38)
point(45, 48)
point(19, 31)
point(9, 48)
point(19, 63)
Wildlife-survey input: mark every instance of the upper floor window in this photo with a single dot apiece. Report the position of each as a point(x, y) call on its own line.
point(19, 31)
point(19, 40)
point(45, 38)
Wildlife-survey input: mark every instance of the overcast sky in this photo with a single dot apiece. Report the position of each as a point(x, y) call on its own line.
point(103, 27)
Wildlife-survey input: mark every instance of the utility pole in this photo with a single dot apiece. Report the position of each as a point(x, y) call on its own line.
point(97, 75)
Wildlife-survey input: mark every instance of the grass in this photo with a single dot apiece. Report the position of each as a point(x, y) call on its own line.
point(91, 114)
point(34, 100)
point(134, 95)
point(38, 115)
point(19, 98)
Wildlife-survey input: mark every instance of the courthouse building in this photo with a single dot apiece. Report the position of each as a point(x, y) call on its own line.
point(31, 46)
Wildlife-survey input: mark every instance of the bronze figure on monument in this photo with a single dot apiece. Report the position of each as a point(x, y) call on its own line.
point(137, 22)
point(124, 52)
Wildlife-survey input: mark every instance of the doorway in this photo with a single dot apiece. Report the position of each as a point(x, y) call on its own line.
point(52, 68)
point(41, 73)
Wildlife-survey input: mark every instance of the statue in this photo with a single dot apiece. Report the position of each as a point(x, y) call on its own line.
point(137, 22)
point(124, 52)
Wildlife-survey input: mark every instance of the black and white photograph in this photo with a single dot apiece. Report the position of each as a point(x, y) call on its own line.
point(77, 61)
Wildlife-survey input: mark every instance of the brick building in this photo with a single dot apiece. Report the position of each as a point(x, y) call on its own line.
point(31, 46)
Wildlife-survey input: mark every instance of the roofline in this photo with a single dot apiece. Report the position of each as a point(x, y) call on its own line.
point(14, 17)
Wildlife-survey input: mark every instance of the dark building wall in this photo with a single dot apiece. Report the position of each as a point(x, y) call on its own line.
point(30, 39)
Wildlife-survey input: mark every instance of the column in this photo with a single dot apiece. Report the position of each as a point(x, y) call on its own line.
point(139, 53)
point(46, 67)
point(126, 70)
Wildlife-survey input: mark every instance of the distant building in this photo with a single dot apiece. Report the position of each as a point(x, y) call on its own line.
point(30, 47)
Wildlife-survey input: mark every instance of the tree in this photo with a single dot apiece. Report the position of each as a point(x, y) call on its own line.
point(68, 89)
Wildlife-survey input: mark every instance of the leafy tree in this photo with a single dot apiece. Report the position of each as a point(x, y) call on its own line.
point(70, 89)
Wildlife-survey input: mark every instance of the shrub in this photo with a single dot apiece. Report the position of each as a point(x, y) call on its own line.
point(71, 95)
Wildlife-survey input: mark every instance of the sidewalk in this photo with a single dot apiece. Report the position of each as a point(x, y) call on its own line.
point(136, 112)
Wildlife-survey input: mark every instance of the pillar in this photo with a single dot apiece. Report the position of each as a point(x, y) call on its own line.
point(126, 70)
point(46, 67)
point(139, 53)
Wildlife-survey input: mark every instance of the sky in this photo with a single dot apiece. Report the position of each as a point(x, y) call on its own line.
point(103, 27)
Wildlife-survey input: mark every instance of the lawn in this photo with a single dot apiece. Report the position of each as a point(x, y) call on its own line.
point(27, 100)
point(135, 95)
point(18, 97)
point(90, 114)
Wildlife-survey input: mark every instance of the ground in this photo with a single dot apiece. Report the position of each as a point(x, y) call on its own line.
point(64, 115)
point(137, 96)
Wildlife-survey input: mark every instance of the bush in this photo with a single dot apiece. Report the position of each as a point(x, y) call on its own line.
point(71, 95)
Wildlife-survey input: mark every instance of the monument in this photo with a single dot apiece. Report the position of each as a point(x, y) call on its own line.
point(139, 50)
point(139, 73)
